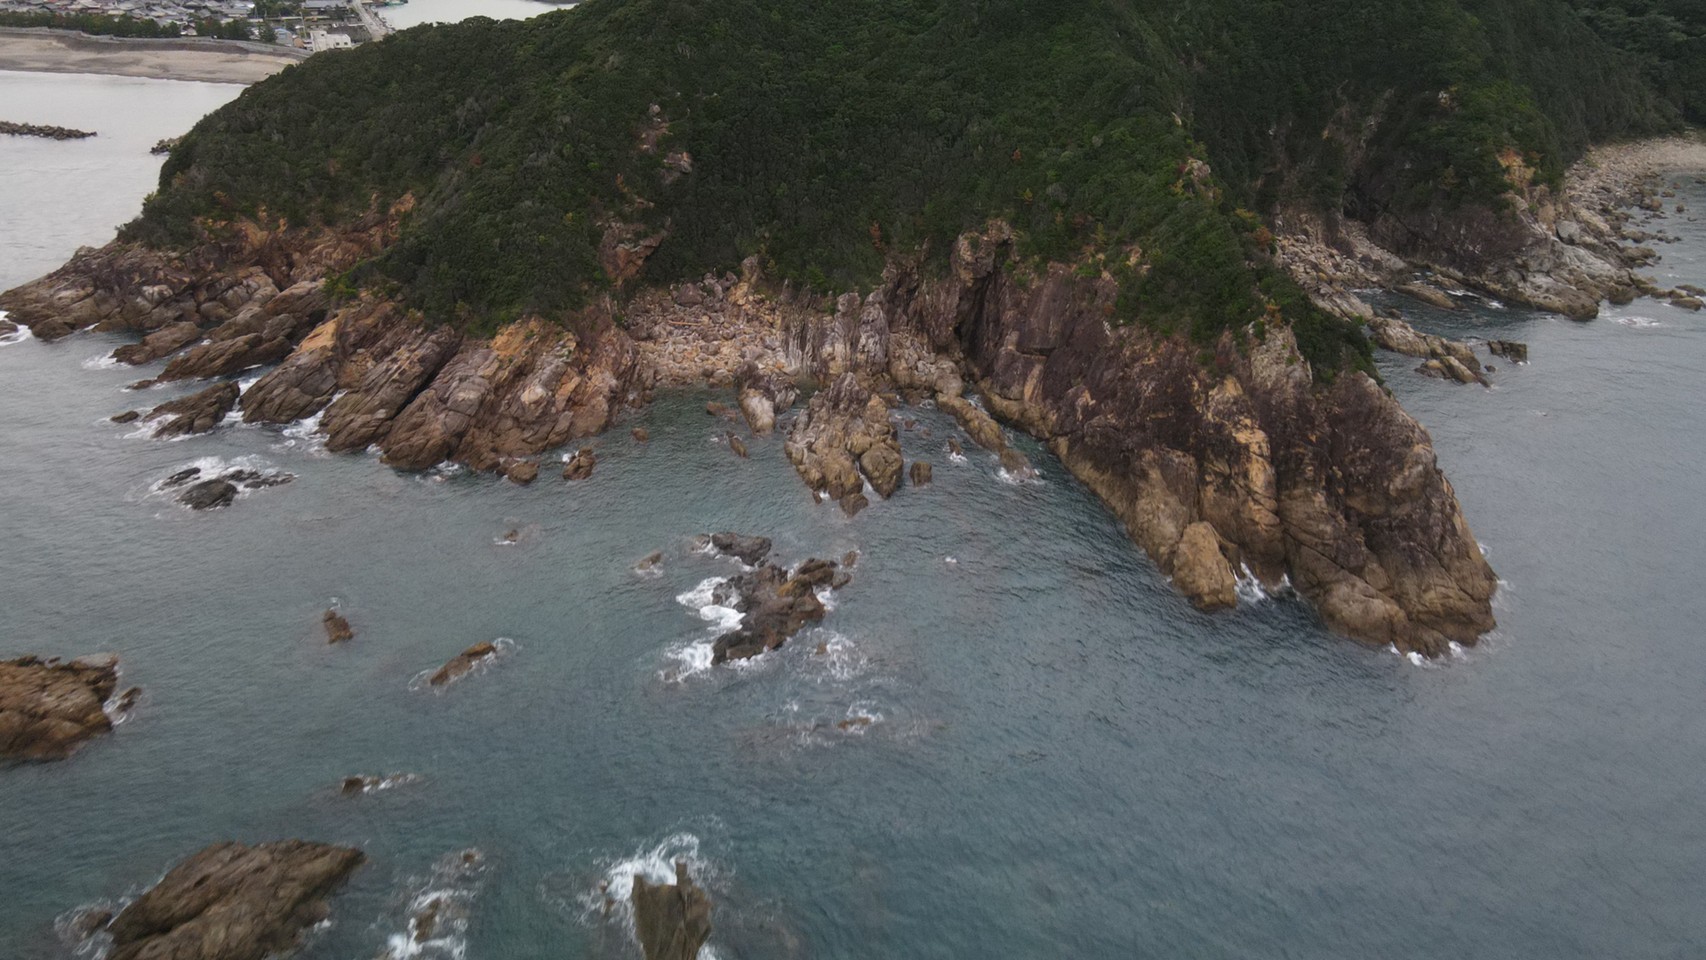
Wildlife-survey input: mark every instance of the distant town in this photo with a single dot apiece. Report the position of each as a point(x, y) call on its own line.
point(311, 25)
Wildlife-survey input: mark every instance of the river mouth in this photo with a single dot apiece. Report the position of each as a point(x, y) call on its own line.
point(1009, 738)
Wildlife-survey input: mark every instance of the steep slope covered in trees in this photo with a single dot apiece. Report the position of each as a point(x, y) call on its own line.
point(828, 136)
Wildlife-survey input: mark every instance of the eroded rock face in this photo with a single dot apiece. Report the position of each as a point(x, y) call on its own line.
point(48, 709)
point(749, 550)
point(672, 921)
point(233, 902)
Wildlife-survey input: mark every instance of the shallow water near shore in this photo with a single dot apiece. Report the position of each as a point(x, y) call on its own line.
point(1062, 757)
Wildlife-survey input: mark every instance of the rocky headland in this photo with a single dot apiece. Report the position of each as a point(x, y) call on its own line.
point(1231, 425)
point(1245, 465)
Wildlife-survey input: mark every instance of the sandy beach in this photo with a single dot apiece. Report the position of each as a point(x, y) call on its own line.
point(216, 61)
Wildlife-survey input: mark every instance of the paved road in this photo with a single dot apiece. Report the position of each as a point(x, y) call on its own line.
point(375, 27)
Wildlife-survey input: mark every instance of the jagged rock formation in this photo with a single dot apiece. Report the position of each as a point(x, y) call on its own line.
point(233, 902)
point(672, 921)
point(844, 438)
point(197, 413)
point(775, 603)
point(48, 709)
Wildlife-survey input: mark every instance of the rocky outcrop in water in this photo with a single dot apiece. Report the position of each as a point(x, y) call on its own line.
point(672, 920)
point(774, 603)
point(46, 132)
point(197, 413)
point(464, 663)
point(233, 902)
point(50, 708)
point(210, 493)
point(337, 627)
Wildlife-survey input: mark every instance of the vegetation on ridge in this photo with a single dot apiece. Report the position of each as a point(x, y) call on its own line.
point(826, 136)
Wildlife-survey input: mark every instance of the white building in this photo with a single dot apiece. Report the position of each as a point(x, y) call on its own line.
point(319, 40)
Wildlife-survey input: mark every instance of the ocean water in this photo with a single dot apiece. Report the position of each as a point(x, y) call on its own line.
point(417, 12)
point(1062, 759)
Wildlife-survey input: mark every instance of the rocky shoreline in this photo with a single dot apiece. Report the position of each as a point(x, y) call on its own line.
point(1229, 465)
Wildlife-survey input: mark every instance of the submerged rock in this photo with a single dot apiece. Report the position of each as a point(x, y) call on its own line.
point(672, 921)
point(460, 665)
point(337, 628)
point(129, 416)
point(360, 784)
point(737, 445)
point(48, 708)
point(233, 902)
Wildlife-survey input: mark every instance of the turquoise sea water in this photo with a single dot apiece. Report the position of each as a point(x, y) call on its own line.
point(1063, 758)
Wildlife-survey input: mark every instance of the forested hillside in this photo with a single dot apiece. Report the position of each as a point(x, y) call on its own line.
point(827, 137)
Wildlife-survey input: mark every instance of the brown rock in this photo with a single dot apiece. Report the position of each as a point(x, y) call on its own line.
point(921, 473)
point(48, 709)
point(641, 435)
point(129, 416)
point(522, 471)
point(1200, 570)
point(672, 921)
point(853, 503)
point(233, 902)
point(1511, 350)
point(459, 665)
point(196, 413)
point(337, 628)
point(579, 466)
point(738, 446)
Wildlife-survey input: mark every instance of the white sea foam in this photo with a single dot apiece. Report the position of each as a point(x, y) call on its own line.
point(836, 655)
point(1249, 587)
point(861, 717)
point(305, 434)
point(951, 560)
point(694, 657)
point(956, 457)
point(17, 336)
point(439, 910)
point(1639, 323)
point(102, 361)
point(1027, 478)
